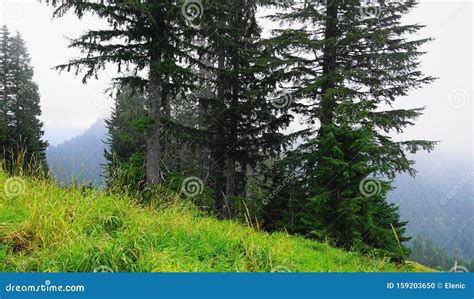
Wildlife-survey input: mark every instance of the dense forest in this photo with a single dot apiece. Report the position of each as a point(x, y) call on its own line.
point(204, 101)
point(212, 98)
point(438, 241)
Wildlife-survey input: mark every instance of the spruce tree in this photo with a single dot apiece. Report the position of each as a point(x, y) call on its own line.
point(348, 65)
point(127, 142)
point(25, 127)
point(21, 130)
point(242, 124)
point(143, 37)
point(5, 82)
point(166, 39)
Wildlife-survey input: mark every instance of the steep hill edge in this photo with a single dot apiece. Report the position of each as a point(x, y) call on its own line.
point(51, 229)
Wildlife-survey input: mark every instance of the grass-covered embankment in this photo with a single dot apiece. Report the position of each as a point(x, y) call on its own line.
point(46, 228)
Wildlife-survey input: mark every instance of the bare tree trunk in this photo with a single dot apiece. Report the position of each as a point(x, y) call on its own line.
point(328, 101)
point(203, 150)
point(205, 95)
point(230, 184)
point(153, 151)
point(329, 63)
point(233, 140)
point(219, 149)
point(179, 156)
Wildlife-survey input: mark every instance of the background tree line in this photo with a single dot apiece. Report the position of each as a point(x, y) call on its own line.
point(204, 96)
point(426, 252)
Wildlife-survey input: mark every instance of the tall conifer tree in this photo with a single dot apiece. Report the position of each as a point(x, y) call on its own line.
point(5, 83)
point(26, 128)
point(20, 103)
point(349, 62)
point(127, 142)
point(143, 36)
point(243, 127)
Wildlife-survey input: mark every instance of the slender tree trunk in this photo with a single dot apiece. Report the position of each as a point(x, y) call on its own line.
point(328, 101)
point(329, 63)
point(233, 139)
point(166, 134)
point(153, 151)
point(203, 149)
point(219, 151)
point(230, 185)
point(205, 95)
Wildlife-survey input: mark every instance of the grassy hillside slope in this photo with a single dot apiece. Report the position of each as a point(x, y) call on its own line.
point(45, 228)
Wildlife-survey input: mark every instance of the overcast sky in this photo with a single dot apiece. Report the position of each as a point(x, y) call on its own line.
point(68, 104)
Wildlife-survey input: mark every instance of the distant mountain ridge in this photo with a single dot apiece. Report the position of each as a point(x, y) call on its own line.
point(439, 203)
point(80, 159)
point(56, 136)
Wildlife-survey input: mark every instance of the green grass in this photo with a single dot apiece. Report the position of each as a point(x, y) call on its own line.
point(46, 228)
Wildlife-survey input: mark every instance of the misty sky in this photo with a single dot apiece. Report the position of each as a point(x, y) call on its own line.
point(68, 104)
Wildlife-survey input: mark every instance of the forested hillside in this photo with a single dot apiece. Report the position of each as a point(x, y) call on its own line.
point(80, 160)
point(298, 133)
point(438, 205)
point(203, 101)
point(431, 202)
